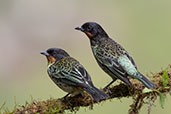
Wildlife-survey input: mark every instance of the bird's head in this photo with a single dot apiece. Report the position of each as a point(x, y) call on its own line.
point(54, 54)
point(93, 30)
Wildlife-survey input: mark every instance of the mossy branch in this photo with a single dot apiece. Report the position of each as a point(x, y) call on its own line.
point(73, 103)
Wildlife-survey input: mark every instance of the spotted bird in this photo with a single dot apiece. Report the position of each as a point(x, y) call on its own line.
point(111, 56)
point(69, 75)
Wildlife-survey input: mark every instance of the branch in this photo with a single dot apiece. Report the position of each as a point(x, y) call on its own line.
point(73, 103)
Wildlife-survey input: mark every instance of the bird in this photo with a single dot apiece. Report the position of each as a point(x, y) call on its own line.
point(69, 75)
point(112, 57)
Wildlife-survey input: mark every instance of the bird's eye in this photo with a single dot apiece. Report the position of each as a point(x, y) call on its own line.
point(88, 28)
point(54, 53)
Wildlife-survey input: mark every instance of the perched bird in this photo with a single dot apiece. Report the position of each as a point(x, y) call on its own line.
point(69, 75)
point(111, 56)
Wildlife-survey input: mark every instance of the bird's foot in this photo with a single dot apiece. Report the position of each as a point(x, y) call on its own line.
point(105, 89)
point(65, 98)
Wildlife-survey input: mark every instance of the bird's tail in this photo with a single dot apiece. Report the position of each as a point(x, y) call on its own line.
point(147, 82)
point(96, 94)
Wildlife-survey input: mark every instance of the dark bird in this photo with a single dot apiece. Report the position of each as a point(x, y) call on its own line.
point(111, 56)
point(69, 75)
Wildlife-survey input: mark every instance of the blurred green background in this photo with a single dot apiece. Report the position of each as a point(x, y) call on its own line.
point(27, 27)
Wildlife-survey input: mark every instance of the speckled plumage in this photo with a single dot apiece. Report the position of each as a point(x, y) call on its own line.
point(111, 56)
point(107, 53)
point(70, 71)
point(69, 75)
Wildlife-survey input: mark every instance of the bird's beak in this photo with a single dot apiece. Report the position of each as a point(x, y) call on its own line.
point(79, 28)
point(44, 53)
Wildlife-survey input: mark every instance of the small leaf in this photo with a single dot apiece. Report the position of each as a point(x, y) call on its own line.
point(164, 79)
point(162, 99)
point(146, 90)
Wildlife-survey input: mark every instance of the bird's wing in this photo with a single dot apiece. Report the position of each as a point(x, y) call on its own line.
point(122, 64)
point(111, 63)
point(75, 76)
point(131, 59)
point(108, 59)
point(118, 49)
